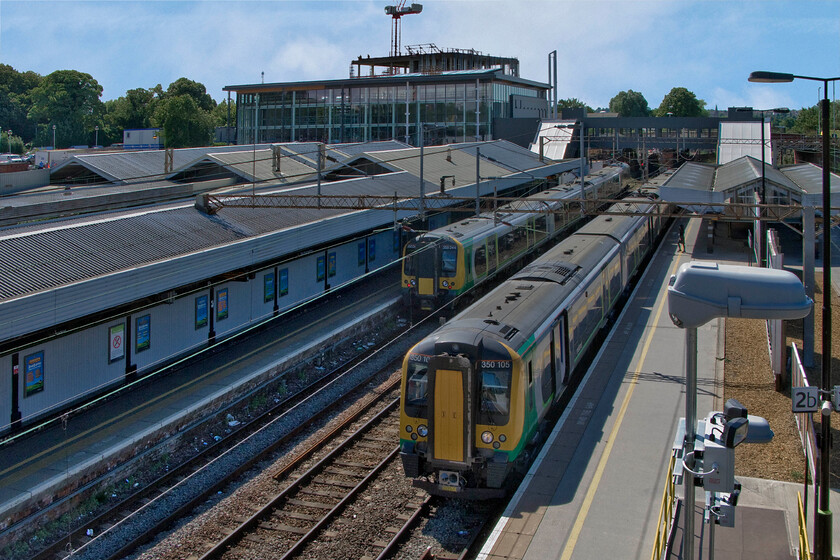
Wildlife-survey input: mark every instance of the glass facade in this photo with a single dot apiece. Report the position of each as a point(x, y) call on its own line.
point(356, 112)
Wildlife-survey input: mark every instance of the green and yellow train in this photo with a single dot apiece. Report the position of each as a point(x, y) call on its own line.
point(477, 391)
point(443, 264)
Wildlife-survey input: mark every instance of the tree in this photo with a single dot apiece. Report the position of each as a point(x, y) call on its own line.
point(681, 103)
point(15, 101)
point(196, 90)
point(133, 110)
point(220, 114)
point(629, 104)
point(68, 100)
point(184, 123)
point(572, 103)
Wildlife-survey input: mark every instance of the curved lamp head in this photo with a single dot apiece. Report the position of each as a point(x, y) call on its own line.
point(770, 77)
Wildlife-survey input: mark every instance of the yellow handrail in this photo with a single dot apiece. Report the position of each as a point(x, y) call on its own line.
point(804, 548)
point(663, 526)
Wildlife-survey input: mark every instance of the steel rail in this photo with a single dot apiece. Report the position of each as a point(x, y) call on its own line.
point(221, 546)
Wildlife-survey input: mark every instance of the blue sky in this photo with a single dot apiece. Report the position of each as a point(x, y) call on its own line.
point(650, 46)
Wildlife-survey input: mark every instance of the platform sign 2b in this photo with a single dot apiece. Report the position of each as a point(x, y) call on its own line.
point(805, 399)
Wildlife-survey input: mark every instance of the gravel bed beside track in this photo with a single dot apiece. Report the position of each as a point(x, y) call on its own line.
point(156, 510)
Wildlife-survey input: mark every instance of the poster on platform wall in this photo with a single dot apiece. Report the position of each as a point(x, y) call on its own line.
point(201, 312)
point(222, 304)
point(268, 287)
point(116, 343)
point(143, 333)
point(34, 369)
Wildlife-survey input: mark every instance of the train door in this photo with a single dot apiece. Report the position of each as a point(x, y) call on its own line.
point(449, 413)
point(558, 351)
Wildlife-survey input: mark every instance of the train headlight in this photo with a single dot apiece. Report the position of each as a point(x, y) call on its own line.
point(496, 445)
point(422, 430)
point(445, 284)
point(413, 282)
point(487, 437)
point(502, 438)
point(414, 437)
point(408, 428)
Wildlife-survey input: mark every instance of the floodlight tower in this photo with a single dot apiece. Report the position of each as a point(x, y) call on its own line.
point(396, 12)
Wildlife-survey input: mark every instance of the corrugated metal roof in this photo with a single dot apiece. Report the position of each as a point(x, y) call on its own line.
point(693, 176)
point(67, 251)
point(808, 177)
point(440, 161)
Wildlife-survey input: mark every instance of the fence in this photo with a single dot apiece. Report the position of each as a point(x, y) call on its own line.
point(807, 436)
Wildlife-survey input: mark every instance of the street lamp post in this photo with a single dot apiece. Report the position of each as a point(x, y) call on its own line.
point(54, 137)
point(96, 137)
point(822, 525)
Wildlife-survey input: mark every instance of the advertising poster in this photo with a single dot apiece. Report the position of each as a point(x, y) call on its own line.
point(116, 342)
point(143, 328)
point(34, 381)
point(284, 281)
point(200, 312)
point(222, 304)
point(268, 287)
point(320, 268)
point(331, 265)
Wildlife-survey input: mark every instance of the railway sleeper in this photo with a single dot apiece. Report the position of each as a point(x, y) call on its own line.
point(313, 505)
point(346, 472)
point(337, 482)
point(323, 493)
point(279, 527)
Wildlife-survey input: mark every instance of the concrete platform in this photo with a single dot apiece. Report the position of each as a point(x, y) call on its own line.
point(595, 490)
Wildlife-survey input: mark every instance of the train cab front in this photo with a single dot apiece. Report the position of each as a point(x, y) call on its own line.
point(456, 419)
point(432, 275)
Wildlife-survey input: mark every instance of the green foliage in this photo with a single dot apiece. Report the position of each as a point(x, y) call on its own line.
point(629, 104)
point(196, 90)
point(220, 114)
point(11, 144)
point(572, 103)
point(184, 123)
point(15, 101)
point(68, 100)
point(681, 103)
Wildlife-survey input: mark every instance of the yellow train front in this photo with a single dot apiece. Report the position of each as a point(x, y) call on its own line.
point(462, 415)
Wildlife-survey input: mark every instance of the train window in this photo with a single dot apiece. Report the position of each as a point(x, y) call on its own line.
point(361, 247)
point(480, 262)
point(416, 389)
point(541, 228)
point(491, 253)
point(448, 261)
point(495, 396)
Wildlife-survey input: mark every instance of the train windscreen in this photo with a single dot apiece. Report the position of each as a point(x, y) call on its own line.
point(417, 386)
point(494, 393)
point(420, 261)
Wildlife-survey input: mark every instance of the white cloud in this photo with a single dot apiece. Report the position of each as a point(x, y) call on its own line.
point(603, 46)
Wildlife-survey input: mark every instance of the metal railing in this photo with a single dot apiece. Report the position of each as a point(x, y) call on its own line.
point(666, 514)
point(804, 547)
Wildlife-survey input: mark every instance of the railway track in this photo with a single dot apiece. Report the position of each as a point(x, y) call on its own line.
point(299, 513)
point(80, 543)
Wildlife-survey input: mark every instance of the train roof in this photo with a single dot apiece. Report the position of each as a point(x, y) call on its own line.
point(486, 221)
point(617, 226)
point(519, 306)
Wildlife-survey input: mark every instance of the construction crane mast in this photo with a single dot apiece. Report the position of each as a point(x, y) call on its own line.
point(396, 12)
